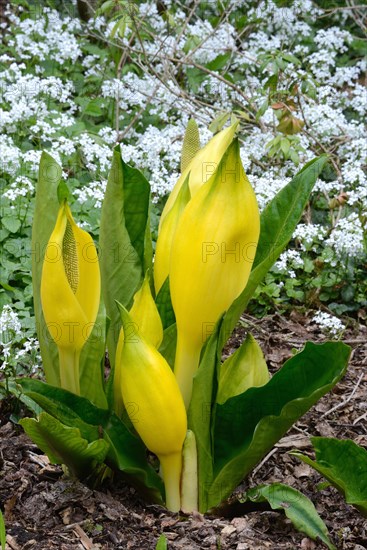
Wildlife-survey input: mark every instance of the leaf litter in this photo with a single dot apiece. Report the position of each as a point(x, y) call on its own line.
point(44, 509)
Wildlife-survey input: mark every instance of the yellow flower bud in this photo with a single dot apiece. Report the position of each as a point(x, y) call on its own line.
point(212, 254)
point(154, 404)
point(70, 293)
point(198, 171)
point(144, 314)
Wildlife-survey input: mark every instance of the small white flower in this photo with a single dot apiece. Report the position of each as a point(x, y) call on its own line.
point(287, 260)
point(347, 238)
point(9, 323)
point(329, 323)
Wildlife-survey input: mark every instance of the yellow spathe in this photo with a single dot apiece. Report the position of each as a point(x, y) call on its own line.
point(197, 173)
point(70, 292)
point(212, 254)
point(154, 404)
point(145, 314)
point(145, 320)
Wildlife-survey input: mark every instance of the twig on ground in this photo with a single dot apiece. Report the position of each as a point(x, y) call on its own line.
point(362, 417)
point(264, 460)
point(346, 401)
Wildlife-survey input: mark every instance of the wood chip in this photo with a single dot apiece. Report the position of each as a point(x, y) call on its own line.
point(228, 530)
point(41, 460)
point(84, 539)
point(295, 440)
point(9, 505)
point(66, 515)
point(11, 542)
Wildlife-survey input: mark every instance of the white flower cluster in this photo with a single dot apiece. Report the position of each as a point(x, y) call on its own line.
point(308, 234)
point(13, 349)
point(97, 157)
point(288, 260)
point(10, 155)
point(334, 39)
point(31, 345)
point(213, 43)
point(27, 96)
point(32, 158)
point(20, 187)
point(47, 36)
point(329, 324)
point(9, 325)
point(266, 187)
point(94, 191)
point(346, 239)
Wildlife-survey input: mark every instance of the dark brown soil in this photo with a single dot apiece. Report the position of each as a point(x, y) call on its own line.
point(46, 510)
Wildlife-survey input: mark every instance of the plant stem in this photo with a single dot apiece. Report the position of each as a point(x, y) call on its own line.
point(186, 365)
point(171, 469)
point(69, 369)
point(189, 478)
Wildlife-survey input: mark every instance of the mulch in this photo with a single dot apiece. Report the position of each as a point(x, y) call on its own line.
point(44, 509)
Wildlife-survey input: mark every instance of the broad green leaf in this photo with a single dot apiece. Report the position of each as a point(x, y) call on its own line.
point(106, 6)
point(137, 213)
point(168, 345)
point(2, 532)
point(128, 454)
point(65, 445)
point(93, 108)
point(245, 369)
point(344, 464)
point(191, 143)
point(164, 305)
point(125, 245)
point(272, 82)
point(285, 145)
point(11, 223)
point(278, 222)
point(219, 62)
point(45, 214)
point(195, 77)
point(263, 107)
point(291, 58)
point(217, 124)
point(297, 507)
point(7, 287)
point(126, 451)
point(247, 426)
point(200, 414)
point(31, 405)
point(91, 363)
point(70, 409)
